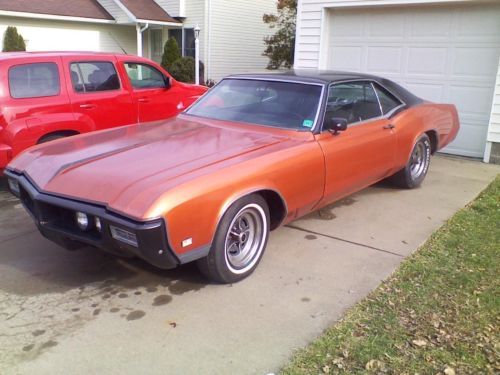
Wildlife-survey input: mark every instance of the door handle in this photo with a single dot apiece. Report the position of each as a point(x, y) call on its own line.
point(143, 100)
point(87, 106)
point(390, 126)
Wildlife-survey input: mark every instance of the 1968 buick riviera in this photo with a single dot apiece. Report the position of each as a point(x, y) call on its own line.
point(255, 152)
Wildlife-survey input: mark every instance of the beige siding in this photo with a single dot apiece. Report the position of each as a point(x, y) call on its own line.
point(236, 36)
point(112, 8)
point(175, 8)
point(48, 35)
point(494, 126)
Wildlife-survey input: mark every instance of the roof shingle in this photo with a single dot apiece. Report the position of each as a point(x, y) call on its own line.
point(70, 8)
point(147, 10)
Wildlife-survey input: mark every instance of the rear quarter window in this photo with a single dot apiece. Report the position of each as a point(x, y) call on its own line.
point(34, 80)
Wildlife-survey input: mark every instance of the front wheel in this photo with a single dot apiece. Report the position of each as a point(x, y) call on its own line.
point(239, 242)
point(416, 169)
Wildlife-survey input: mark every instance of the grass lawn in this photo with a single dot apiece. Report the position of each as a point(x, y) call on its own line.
point(439, 313)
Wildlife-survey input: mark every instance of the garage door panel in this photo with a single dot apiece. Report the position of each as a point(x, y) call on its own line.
point(347, 58)
point(434, 25)
point(443, 53)
point(466, 61)
point(386, 25)
point(471, 143)
point(472, 99)
point(475, 22)
point(424, 60)
point(432, 92)
point(384, 59)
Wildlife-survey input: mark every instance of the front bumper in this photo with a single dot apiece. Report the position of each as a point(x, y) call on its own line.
point(55, 218)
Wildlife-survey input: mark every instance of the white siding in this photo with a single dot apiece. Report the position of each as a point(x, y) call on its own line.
point(116, 12)
point(494, 126)
point(175, 8)
point(236, 36)
point(48, 35)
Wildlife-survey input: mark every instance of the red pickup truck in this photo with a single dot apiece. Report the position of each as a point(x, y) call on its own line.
point(49, 95)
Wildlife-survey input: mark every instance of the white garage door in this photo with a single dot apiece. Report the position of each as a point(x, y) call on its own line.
point(447, 54)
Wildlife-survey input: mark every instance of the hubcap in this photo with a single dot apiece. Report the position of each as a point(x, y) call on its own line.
point(245, 237)
point(418, 160)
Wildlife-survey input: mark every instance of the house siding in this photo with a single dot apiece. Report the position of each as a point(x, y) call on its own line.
point(494, 125)
point(236, 36)
point(116, 12)
point(70, 36)
point(175, 8)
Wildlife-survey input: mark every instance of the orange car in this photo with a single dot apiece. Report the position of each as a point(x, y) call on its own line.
point(255, 152)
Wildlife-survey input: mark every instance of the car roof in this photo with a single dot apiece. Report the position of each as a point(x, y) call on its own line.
point(8, 55)
point(325, 77)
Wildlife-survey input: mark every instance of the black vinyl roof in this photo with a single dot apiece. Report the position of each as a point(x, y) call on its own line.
point(326, 77)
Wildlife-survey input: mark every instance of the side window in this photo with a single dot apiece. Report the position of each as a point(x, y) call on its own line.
point(143, 76)
point(354, 101)
point(387, 100)
point(34, 80)
point(94, 76)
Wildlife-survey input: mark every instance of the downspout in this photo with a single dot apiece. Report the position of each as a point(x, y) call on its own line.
point(208, 50)
point(139, 37)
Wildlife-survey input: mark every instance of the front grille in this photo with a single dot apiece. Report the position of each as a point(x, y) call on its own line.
point(27, 200)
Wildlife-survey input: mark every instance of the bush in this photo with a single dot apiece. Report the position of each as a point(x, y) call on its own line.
point(170, 53)
point(183, 70)
point(13, 41)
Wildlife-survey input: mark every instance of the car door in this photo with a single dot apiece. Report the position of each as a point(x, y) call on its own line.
point(365, 152)
point(97, 95)
point(155, 97)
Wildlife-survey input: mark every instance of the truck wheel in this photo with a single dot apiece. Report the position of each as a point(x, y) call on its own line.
point(416, 169)
point(239, 242)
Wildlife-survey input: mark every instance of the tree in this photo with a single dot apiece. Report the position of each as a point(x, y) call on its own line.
point(13, 41)
point(170, 53)
point(280, 47)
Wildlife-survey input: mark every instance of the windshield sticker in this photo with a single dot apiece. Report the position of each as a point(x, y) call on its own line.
point(308, 123)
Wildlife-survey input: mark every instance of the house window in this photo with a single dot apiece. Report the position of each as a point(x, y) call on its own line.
point(185, 40)
point(156, 44)
point(94, 76)
point(34, 80)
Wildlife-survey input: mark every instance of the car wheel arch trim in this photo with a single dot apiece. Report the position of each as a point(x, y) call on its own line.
point(234, 198)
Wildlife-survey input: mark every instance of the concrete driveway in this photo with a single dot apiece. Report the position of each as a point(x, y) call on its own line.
point(86, 312)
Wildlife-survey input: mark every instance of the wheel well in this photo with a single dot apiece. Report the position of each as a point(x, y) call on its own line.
point(277, 207)
point(432, 134)
point(62, 133)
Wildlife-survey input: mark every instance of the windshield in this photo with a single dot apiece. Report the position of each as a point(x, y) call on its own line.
point(272, 103)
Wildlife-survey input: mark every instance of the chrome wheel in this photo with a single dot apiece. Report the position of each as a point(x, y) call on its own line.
point(418, 160)
point(245, 238)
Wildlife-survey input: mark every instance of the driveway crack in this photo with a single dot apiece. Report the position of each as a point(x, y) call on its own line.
point(344, 240)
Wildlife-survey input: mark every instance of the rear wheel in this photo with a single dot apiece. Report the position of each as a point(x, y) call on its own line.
point(239, 242)
point(416, 169)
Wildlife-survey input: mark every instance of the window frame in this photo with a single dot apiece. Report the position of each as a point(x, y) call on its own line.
point(371, 82)
point(120, 85)
point(166, 78)
point(35, 63)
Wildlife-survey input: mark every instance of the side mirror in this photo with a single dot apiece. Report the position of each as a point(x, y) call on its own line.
point(168, 82)
point(335, 124)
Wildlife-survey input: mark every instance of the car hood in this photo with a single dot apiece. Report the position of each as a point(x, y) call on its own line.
point(116, 167)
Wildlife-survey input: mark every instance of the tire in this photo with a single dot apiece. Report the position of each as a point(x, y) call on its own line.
point(49, 138)
point(414, 172)
point(240, 241)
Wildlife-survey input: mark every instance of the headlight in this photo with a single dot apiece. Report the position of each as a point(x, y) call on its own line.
point(82, 220)
point(14, 186)
point(98, 224)
point(123, 236)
